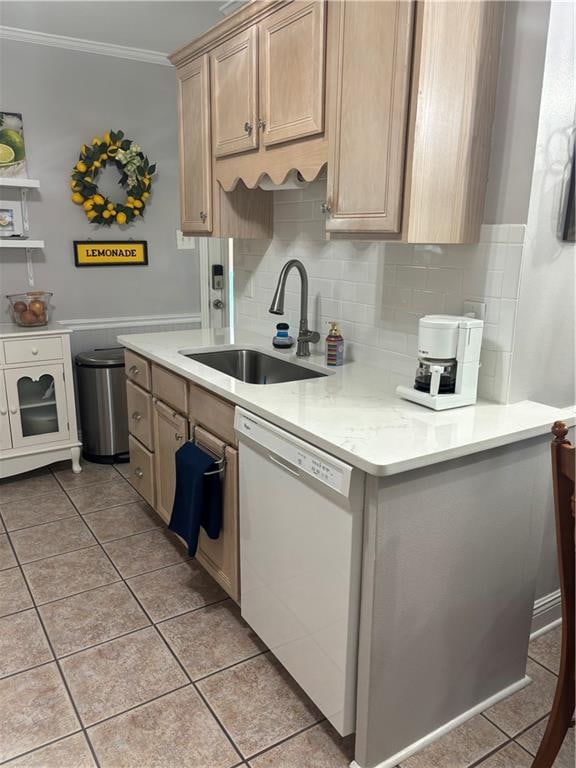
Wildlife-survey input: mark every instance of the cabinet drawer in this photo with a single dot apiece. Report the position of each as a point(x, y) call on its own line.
point(170, 388)
point(30, 350)
point(141, 473)
point(138, 369)
point(139, 414)
point(211, 412)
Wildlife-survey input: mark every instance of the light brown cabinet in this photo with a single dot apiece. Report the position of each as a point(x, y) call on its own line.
point(292, 55)
point(141, 471)
point(170, 433)
point(195, 148)
point(370, 112)
point(234, 73)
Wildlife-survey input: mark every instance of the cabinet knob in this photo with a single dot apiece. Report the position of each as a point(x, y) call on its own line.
point(178, 436)
point(13, 411)
point(261, 123)
point(133, 370)
point(248, 128)
point(326, 209)
point(203, 215)
point(3, 412)
point(138, 472)
point(137, 416)
point(34, 350)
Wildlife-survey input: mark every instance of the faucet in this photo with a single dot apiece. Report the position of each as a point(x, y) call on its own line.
point(305, 335)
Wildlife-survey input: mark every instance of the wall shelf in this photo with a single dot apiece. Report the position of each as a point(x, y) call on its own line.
point(19, 183)
point(27, 244)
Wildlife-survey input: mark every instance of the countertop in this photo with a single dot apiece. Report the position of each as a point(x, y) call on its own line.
point(13, 331)
point(353, 413)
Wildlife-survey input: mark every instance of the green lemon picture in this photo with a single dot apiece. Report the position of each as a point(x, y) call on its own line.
point(7, 154)
point(13, 140)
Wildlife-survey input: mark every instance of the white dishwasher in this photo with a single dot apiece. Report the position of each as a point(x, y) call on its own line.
point(300, 555)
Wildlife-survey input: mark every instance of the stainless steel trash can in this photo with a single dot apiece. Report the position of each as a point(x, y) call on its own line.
point(102, 405)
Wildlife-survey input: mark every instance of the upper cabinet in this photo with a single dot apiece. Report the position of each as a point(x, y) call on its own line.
point(234, 68)
point(195, 153)
point(292, 55)
point(396, 97)
point(369, 115)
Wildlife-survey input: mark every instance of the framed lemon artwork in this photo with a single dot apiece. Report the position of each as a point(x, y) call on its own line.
point(135, 171)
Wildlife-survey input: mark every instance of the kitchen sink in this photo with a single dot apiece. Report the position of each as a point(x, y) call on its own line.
point(254, 367)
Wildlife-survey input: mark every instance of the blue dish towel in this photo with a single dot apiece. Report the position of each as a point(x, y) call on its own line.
point(198, 497)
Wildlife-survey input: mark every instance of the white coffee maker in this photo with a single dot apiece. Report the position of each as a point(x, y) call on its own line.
point(448, 362)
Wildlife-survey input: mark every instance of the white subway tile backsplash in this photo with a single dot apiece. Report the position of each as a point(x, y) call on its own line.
point(378, 291)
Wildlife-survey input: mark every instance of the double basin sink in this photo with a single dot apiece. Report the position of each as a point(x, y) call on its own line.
point(253, 367)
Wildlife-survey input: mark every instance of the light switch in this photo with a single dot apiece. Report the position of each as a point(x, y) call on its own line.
point(184, 243)
point(475, 309)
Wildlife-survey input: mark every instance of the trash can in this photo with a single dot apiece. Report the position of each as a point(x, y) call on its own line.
point(102, 405)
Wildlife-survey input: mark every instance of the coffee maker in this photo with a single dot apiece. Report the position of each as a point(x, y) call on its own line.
point(448, 362)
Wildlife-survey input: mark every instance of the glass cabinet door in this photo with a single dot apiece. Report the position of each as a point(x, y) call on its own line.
point(37, 404)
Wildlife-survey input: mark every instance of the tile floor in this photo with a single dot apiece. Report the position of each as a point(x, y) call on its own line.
point(118, 651)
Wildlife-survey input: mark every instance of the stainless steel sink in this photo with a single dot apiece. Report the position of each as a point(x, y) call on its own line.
point(254, 367)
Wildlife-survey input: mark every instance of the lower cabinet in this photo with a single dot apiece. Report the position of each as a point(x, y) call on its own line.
point(170, 432)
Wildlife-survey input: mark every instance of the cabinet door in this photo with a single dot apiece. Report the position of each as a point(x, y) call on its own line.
point(195, 151)
point(220, 556)
point(292, 53)
point(369, 120)
point(37, 405)
point(170, 432)
point(5, 435)
point(234, 72)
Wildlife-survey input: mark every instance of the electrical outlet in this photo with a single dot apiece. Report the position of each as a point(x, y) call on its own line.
point(475, 309)
point(184, 243)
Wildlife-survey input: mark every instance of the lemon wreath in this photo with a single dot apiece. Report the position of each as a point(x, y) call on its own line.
point(135, 177)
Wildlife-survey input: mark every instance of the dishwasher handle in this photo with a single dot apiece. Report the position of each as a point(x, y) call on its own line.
point(284, 466)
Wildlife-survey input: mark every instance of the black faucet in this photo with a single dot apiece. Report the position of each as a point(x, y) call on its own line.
point(305, 335)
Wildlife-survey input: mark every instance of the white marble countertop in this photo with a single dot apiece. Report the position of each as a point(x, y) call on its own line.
point(353, 413)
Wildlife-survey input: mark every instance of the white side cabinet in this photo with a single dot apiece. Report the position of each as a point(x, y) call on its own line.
point(37, 408)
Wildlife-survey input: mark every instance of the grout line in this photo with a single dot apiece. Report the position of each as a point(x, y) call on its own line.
point(103, 642)
point(543, 665)
point(185, 612)
point(56, 554)
point(488, 755)
point(287, 738)
point(27, 669)
point(42, 746)
point(44, 522)
point(136, 706)
point(230, 666)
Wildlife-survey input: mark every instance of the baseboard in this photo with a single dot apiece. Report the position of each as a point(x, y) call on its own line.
point(404, 754)
point(547, 613)
point(102, 323)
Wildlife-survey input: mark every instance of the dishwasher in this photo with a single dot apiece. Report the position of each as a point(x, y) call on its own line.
point(301, 516)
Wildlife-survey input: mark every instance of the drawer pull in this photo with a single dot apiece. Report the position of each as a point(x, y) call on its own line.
point(14, 411)
point(138, 472)
point(137, 416)
point(178, 436)
point(34, 350)
point(3, 411)
point(133, 370)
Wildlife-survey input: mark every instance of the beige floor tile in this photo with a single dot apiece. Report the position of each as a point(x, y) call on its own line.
point(531, 741)
point(91, 474)
point(258, 703)
point(90, 498)
point(117, 522)
point(7, 559)
point(178, 724)
point(34, 709)
point(175, 590)
point(461, 747)
point(40, 509)
point(68, 574)
point(14, 594)
point(26, 486)
point(510, 756)
point(23, 643)
point(318, 747)
point(51, 539)
point(123, 468)
point(145, 552)
point(211, 638)
point(120, 674)
point(71, 752)
point(520, 710)
point(81, 621)
point(546, 649)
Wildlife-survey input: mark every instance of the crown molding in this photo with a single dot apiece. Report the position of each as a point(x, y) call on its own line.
point(84, 46)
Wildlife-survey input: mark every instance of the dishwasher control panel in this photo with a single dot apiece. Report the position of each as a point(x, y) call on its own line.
point(294, 454)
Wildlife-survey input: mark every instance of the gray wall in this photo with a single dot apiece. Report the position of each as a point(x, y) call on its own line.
point(66, 97)
point(517, 108)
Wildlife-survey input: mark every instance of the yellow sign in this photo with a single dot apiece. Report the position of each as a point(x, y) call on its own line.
point(88, 253)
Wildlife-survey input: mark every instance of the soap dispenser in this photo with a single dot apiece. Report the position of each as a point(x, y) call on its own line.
point(334, 345)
